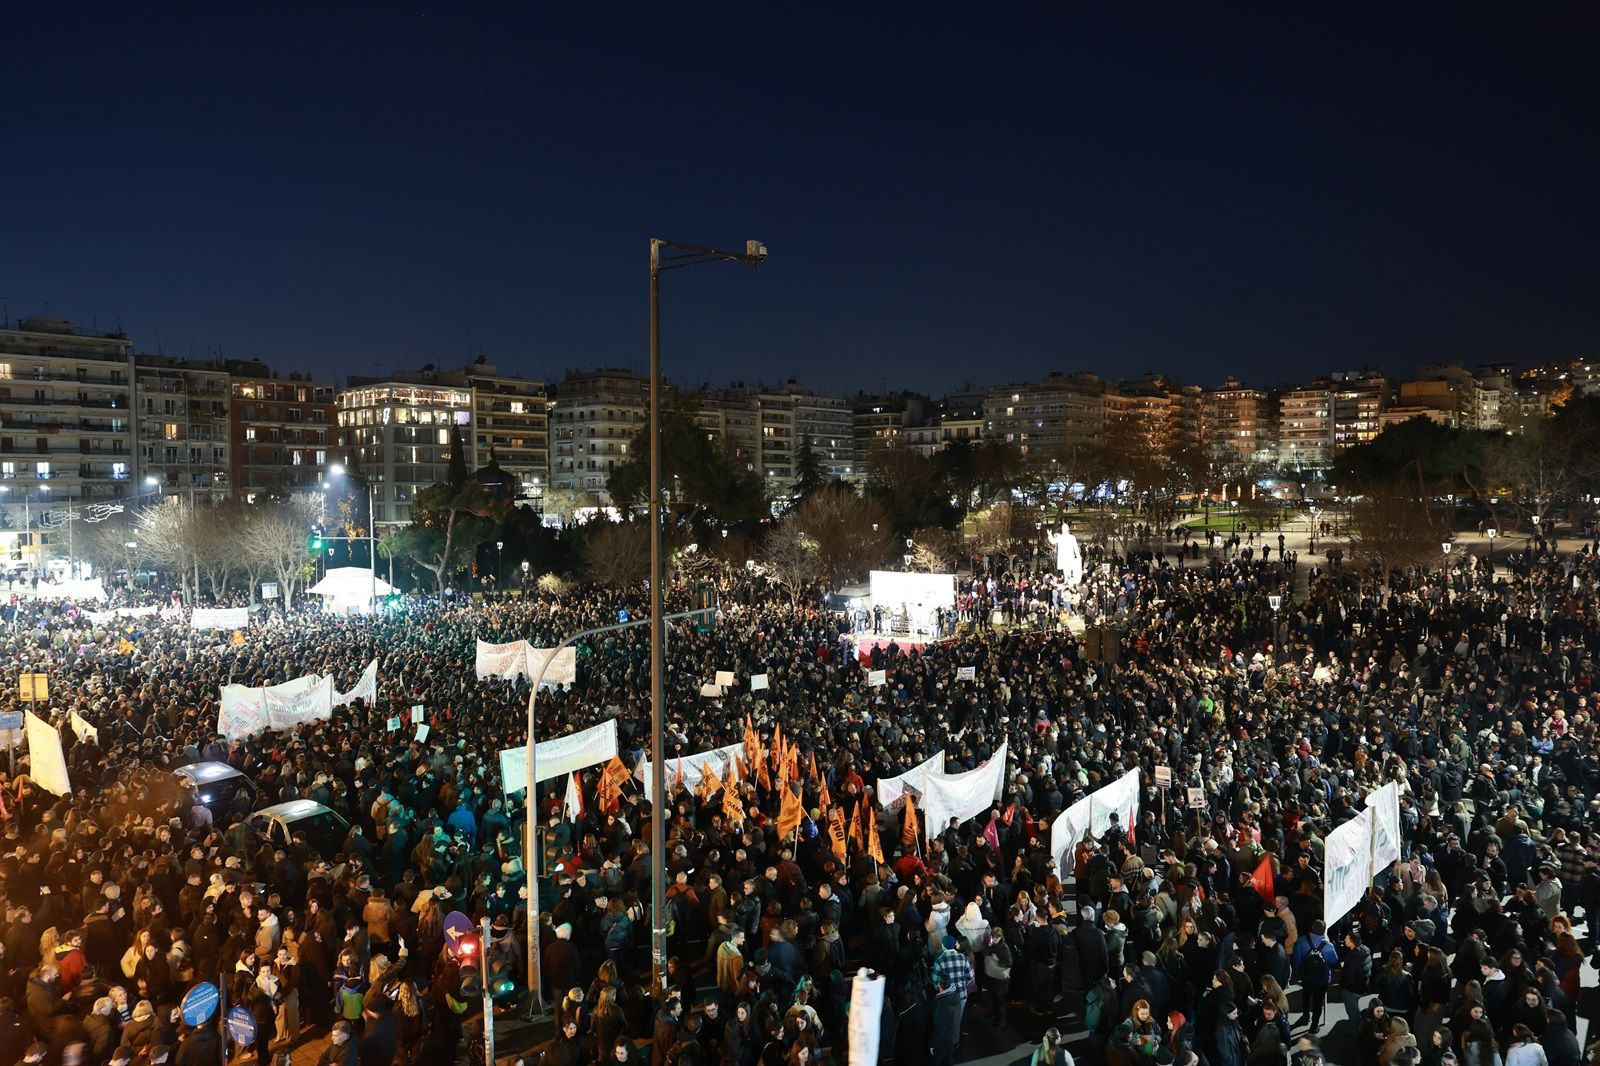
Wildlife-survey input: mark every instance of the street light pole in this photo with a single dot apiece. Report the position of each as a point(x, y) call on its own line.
point(685, 255)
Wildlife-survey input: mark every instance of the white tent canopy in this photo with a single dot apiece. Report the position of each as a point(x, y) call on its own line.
point(347, 586)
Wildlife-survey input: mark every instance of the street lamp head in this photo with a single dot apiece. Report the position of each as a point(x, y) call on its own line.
point(336, 469)
point(152, 480)
point(499, 545)
point(755, 251)
point(524, 566)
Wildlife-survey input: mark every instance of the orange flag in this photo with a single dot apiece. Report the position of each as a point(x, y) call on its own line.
point(836, 835)
point(752, 743)
point(788, 813)
point(791, 764)
point(857, 835)
point(813, 767)
point(874, 845)
point(824, 799)
point(1261, 880)
point(710, 783)
point(731, 807)
point(762, 775)
point(908, 823)
point(777, 746)
point(611, 780)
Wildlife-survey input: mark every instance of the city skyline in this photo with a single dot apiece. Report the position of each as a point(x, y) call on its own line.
point(1116, 192)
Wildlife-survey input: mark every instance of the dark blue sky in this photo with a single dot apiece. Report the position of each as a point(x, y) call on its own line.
point(948, 196)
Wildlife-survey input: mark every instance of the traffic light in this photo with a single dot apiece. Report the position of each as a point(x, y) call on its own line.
point(314, 541)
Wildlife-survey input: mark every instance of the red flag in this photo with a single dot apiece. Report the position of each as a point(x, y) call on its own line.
point(991, 834)
point(1010, 814)
point(1261, 880)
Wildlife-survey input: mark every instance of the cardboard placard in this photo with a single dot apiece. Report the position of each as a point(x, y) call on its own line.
point(758, 682)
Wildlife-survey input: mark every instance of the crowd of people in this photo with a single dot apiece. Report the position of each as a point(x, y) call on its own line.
point(1469, 687)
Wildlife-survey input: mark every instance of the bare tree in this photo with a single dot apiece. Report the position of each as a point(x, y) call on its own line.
point(275, 541)
point(852, 534)
point(994, 531)
point(1393, 528)
point(791, 559)
point(933, 550)
point(616, 554)
point(169, 538)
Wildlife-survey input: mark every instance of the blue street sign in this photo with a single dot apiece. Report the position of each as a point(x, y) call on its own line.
point(200, 1004)
point(456, 926)
point(242, 1026)
point(10, 719)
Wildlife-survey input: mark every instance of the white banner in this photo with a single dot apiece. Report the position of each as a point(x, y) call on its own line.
point(890, 789)
point(560, 756)
point(82, 729)
point(866, 1018)
point(1067, 830)
point(963, 796)
point(366, 688)
point(47, 763)
point(563, 669)
point(502, 660)
point(1121, 798)
point(1385, 806)
point(220, 618)
point(247, 711)
point(722, 760)
point(1347, 869)
point(100, 618)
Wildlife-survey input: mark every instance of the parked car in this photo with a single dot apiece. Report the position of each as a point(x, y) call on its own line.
point(322, 829)
point(218, 785)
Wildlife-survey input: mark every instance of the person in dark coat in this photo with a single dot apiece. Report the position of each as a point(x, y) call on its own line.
point(1560, 1043)
point(381, 1041)
point(561, 962)
point(666, 1031)
point(198, 1047)
point(1094, 956)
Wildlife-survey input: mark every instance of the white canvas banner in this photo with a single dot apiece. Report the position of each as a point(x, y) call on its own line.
point(502, 660)
point(366, 688)
point(722, 760)
point(963, 796)
point(247, 711)
point(1347, 869)
point(220, 618)
point(866, 1019)
point(890, 789)
point(1067, 830)
point(47, 763)
point(1121, 798)
point(82, 729)
point(563, 668)
point(561, 756)
point(288, 710)
point(1385, 806)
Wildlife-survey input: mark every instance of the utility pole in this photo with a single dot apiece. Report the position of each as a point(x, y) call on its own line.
point(686, 255)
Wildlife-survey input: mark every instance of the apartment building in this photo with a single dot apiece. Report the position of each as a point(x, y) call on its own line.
point(1359, 397)
point(511, 419)
point(1306, 425)
point(66, 430)
point(182, 426)
point(790, 414)
point(282, 431)
point(398, 432)
point(881, 422)
point(1060, 410)
point(592, 424)
point(1239, 424)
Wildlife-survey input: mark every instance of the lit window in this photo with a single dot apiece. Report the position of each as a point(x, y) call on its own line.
point(295, 458)
point(517, 407)
point(42, 469)
point(5, 371)
point(170, 431)
point(444, 436)
point(119, 470)
point(8, 470)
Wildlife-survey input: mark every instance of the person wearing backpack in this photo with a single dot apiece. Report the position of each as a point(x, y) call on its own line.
point(1355, 976)
point(1315, 958)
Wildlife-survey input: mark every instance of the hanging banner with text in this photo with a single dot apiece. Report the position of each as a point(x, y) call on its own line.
point(220, 618)
point(561, 756)
point(1347, 867)
point(693, 767)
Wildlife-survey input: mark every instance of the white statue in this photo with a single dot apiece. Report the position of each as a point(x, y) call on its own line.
point(1069, 560)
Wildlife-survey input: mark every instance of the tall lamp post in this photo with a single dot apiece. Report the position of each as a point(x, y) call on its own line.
point(678, 256)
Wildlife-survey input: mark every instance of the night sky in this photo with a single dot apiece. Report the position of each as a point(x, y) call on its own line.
point(957, 195)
